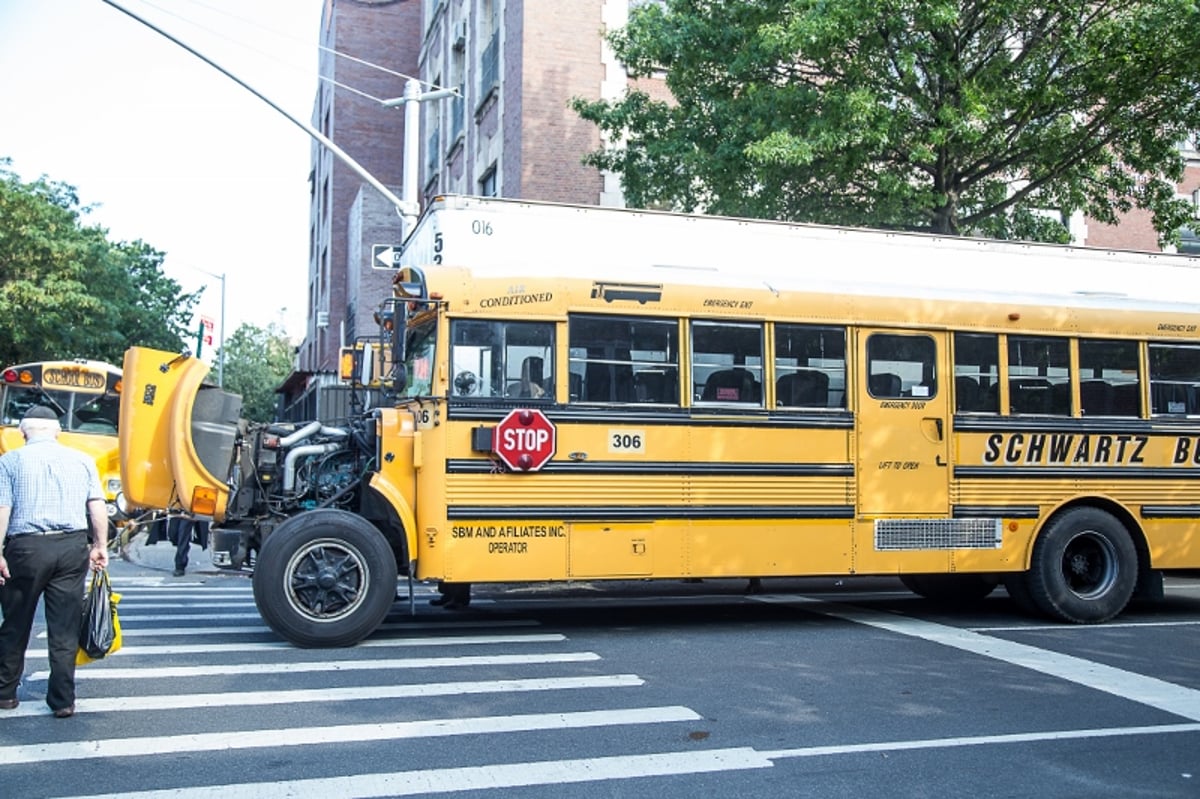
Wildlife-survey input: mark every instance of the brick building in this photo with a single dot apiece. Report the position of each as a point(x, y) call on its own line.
point(516, 64)
point(1135, 231)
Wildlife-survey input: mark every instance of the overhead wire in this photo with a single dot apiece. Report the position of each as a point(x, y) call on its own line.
point(280, 35)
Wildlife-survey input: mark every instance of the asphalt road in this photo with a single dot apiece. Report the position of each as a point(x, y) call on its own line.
point(820, 688)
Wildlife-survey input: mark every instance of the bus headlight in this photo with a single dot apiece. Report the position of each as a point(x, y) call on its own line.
point(114, 485)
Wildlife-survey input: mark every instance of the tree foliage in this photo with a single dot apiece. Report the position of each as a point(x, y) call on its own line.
point(953, 116)
point(66, 291)
point(256, 362)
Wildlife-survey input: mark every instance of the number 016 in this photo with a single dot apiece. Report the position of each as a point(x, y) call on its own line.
point(626, 440)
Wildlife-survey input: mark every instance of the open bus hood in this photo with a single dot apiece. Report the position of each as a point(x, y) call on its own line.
point(177, 434)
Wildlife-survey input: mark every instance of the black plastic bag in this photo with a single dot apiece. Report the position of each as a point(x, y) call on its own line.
point(98, 632)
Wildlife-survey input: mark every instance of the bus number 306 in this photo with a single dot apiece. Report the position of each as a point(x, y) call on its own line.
point(626, 441)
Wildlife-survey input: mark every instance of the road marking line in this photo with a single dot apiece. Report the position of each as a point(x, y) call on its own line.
point(594, 769)
point(229, 740)
point(130, 630)
point(982, 740)
point(140, 603)
point(370, 643)
point(1066, 628)
point(1151, 691)
point(121, 704)
point(105, 672)
point(472, 778)
point(192, 589)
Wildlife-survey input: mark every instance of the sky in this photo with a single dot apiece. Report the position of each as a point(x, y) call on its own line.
point(168, 149)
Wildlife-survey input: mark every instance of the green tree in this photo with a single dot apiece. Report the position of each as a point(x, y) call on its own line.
point(952, 116)
point(66, 291)
point(256, 362)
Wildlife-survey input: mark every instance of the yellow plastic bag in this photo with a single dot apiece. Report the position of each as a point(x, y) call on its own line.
point(100, 628)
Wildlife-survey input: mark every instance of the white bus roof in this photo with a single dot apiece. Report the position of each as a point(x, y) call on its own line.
point(494, 238)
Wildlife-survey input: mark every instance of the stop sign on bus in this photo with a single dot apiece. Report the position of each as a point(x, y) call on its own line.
point(524, 440)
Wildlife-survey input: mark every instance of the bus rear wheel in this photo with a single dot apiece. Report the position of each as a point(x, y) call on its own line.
point(950, 588)
point(1084, 567)
point(325, 578)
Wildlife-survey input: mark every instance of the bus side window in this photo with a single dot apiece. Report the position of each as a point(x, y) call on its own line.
point(502, 359)
point(901, 366)
point(1039, 375)
point(618, 359)
point(1109, 381)
point(727, 362)
point(810, 366)
point(1174, 379)
point(976, 373)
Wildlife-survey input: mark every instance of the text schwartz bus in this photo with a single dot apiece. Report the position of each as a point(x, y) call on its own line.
point(600, 394)
point(86, 396)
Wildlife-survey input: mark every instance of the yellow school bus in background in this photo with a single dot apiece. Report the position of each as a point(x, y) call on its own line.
point(583, 393)
point(86, 396)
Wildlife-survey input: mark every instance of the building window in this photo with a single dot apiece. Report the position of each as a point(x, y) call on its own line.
point(487, 183)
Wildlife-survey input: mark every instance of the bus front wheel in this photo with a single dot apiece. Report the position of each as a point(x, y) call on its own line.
point(325, 578)
point(1084, 567)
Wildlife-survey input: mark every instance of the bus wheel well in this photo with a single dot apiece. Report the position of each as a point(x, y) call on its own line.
point(380, 513)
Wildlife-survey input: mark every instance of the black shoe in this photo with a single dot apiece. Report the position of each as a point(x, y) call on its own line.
point(458, 602)
point(9, 704)
point(65, 712)
point(438, 601)
point(179, 572)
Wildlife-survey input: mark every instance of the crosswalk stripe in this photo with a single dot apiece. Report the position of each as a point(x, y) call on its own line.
point(129, 617)
point(130, 629)
point(155, 604)
point(181, 590)
point(106, 672)
point(598, 769)
point(122, 704)
point(229, 740)
point(472, 778)
point(370, 643)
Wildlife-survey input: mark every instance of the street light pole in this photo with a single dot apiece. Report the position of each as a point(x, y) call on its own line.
point(410, 205)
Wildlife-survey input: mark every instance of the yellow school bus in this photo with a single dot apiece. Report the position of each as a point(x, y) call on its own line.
point(691, 397)
point(85, 395)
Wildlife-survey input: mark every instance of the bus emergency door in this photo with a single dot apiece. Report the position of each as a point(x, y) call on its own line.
point(902, 421)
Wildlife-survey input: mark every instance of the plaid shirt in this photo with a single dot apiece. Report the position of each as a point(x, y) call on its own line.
point(48, 486)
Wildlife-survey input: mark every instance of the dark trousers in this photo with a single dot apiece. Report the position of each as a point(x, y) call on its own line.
point(179, 532)
point(51, 567)
point(182, 532)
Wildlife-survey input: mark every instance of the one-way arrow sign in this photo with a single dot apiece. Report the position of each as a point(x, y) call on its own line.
point(385, 256)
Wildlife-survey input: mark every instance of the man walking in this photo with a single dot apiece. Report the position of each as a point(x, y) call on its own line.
point(49, 497)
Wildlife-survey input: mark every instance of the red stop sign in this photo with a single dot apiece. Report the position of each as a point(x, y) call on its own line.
point(524, 440)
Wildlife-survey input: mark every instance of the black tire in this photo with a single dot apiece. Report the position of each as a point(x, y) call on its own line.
point(950, 588)
point(1084, 567)
point(325, 578)
point(1017, 586)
